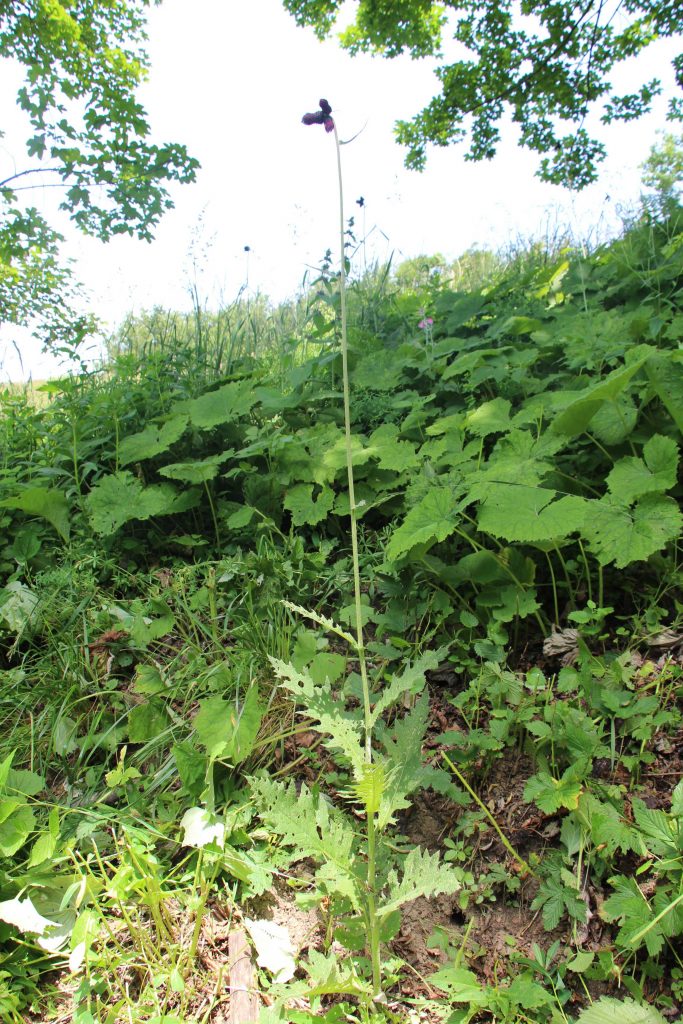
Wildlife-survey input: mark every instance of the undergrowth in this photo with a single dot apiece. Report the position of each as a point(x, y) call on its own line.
point(182, 704)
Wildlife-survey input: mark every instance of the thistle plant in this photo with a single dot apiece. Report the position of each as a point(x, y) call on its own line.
point(361, 880)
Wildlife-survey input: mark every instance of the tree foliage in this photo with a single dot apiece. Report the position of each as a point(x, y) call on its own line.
point(83, 61)
point(547, 62)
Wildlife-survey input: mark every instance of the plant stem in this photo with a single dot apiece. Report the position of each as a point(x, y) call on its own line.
point(504, 840)
point(373, 920)
point(349, 467)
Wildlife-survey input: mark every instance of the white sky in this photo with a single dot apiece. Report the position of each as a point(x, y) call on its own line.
point(231, 80)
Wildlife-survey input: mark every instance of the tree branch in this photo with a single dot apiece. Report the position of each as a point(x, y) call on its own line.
point(22, 174)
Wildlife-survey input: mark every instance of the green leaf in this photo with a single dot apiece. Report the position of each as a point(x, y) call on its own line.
point(623, 535)
point(117, 499)
point(17, 822)
point(615, 1011)
point(529, 514)
point(304, 508)
point(46, 502)
point(656, 471)
point(392, 454)
point(660, 830)
point(556, 896)
point(23, 782)
point(310, 827)
point(224, 405)
point(341, 731)
point(551, 794)
point(489, 418)
point(147, 722)
point(461, 985)
point(198, 471)
point(665, 373)
point(614, 421)
point(191, 765)
point(18, 606)
point(423, 875)
point(577, 416)
point(151, 441)
point(432, 520)
point(628, 906)
point(228, 729)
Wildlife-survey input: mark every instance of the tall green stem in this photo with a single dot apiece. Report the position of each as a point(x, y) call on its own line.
point(373, 920)
point(349, 467)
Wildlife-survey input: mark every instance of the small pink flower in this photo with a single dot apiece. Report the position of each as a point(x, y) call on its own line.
point(424, 324)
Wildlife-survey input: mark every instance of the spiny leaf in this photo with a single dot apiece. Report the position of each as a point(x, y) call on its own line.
point(423, 875)
point(410, 681)
point(341, 731)
point(405, 769)
point(151, 441)
point(322, 620)
point(368, 789)
point(311, 828)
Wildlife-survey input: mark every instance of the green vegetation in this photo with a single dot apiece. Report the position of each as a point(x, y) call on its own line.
point(83, 62)
point(184, 715)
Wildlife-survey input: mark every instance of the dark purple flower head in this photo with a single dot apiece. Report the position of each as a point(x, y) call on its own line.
point(321, 116)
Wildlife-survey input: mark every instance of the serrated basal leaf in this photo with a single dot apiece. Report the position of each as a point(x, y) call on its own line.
point(423, 875)
point(410, 681)
point(341, 731)
point(310, 827)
